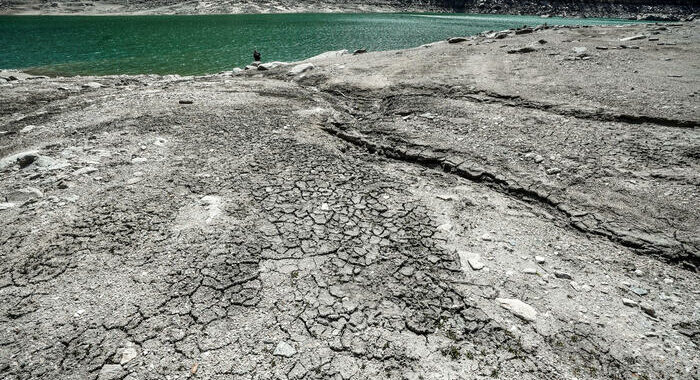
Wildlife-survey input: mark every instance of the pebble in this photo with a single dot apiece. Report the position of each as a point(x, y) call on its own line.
point(639, 291)
point(519, 308)
point(486, 237)
point(128, 354)
point(139, 160)
point(284, 349)
point(455, 40)
point(539, 259)
point(648, 309)
point(629, 302)
point(111, 372)
point(562, 275)
point(475, 264)
point(552, 171)
point(538, 159)
point(85, 170)
point(185, 101)
point(92, 85)
point(668, 281)
point(632, 38)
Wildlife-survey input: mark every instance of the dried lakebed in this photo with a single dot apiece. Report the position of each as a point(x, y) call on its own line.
point(518, 205)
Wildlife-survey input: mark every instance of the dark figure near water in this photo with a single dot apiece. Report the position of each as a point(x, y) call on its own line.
point(256, 55)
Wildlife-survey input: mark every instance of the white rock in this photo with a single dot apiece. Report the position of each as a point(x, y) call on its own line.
point(270, 65)
point(7, 205)
point(539, 259)
point(632, 38)
point(475, 264)
point(329, 54)
point(85, 170)
point(629, 302)
point(139, 160)
point(128, 354)
point(92, 85)
point(519, 308)
point(530, 271)
point(111, 372)
point(301, 68)
point(284, 349)
point(28, 129)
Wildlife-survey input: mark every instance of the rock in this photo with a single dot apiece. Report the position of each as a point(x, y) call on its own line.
point(301, 68)
point(359, 51)
point(538, 159)
point(7, 205)
point(601, 47)
point(552, 171)
point(475, 264)
point(329, 54)
point(14, 159)
point(26, 160)
point(648, 309)
point(522, 50)
point(139, 160)
point(236, 70)
point(639, 291)
point(580, 51)
point(519, 308)
point(111, 372)
point(128, 354)
point(284, 349)
point(633, 38)
point(562, 275)
point(94, 85)
point(524, 31)
point(27, 129)
point(542, 42)
point(539, 259)
point(270, 65)
point(530, 271)
point(185, 101)
point(456, 40)
point(629, 302)
point(24, 195)
point(85, 170)
point(135, 180)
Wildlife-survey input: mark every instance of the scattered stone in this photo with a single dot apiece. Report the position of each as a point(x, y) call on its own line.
point(668, 281)
point(111, 372)
point(185, 101)
point(539, 259)
point(284, 349)
point(580, 51)
point(538, 159)
point(24, 195)
point(542, 42)
point(486, 237)
point(270, 65)
point(639, 291)
point(522, 50)
point(236, 70)
point(28, 129)
point(85, 170)
point(633, 38)
point(519, 308)
point(530, 271)
point(475, 264)
point(562, 275)
point(456, 40)
point(648, 310)
point(359, 51)
point(94, 85)
point(26, 160)
point(7, 205)
point(601, 47)
point(524, 31)
point(128, 354)
point(139, 160)
point(301, 68)
point(552, 171)
point(629, 302)
point(135, 180)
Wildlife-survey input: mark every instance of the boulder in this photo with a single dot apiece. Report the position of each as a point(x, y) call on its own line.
point(284, 349)
point(456, 40)
point(522, 50)
point(23, 195)
point(15, 158)
point(270, 65)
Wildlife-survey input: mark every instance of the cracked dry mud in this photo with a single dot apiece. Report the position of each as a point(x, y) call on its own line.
point(444, 212)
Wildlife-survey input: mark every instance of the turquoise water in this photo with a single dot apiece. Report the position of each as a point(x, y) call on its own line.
point(99, 45)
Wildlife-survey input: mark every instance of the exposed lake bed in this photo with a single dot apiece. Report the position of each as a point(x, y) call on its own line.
point(516, 205)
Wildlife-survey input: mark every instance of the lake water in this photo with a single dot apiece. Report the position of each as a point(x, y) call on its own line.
point(97, 45)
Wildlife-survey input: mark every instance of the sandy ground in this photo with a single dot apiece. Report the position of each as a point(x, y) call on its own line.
point(519, 207)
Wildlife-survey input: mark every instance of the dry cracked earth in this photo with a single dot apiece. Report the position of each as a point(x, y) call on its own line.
point(453, 211)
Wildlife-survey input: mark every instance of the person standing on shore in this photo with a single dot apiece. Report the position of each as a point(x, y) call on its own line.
point(256, 55)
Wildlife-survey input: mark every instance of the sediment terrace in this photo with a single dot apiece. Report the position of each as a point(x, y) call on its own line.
point(513, 205)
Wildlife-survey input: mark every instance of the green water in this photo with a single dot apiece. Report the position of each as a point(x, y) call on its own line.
point(98, 45)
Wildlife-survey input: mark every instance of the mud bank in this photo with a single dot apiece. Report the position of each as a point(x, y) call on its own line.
point(513, 205)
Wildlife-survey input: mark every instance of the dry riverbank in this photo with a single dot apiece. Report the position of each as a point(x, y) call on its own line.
point(513, 205)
